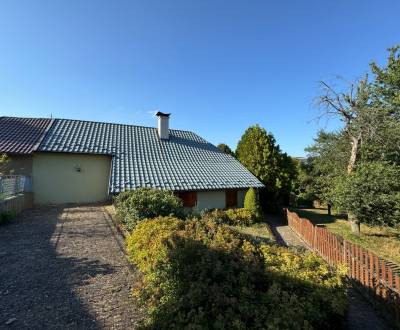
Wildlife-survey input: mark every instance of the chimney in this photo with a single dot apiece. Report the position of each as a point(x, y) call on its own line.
point(163, 125)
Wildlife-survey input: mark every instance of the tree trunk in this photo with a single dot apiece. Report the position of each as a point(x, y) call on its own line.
point(354, 224)
point(329, 209)
point(353, 155)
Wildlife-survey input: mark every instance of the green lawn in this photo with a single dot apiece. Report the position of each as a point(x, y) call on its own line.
point(258, 232)
point(384, 241)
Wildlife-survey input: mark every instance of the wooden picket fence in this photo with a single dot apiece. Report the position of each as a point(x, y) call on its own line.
point(378, 278)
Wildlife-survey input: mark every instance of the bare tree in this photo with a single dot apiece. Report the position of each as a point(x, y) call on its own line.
point(348, 107)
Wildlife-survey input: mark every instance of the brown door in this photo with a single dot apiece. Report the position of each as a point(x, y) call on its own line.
point(231, 198)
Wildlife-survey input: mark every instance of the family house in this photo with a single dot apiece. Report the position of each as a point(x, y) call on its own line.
point(76, 161)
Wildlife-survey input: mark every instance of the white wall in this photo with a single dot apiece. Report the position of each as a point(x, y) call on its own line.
point(210, 200)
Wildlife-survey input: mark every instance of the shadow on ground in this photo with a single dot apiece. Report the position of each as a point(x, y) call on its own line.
point(37, 285)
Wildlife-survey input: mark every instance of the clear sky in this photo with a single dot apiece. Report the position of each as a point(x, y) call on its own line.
point(217, 66)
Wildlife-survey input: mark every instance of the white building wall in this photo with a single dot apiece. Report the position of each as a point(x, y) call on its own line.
point(210, 200)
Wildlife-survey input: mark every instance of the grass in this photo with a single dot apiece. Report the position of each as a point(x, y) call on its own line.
point(258, 232)
point(384, 241)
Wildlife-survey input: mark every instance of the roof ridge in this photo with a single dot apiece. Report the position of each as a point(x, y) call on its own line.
point(46, 118)
point(41, 138)
point(119, 124)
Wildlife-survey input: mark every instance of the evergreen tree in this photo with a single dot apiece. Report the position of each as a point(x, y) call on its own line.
point(225, 148)
point(258, 151)
point(251, 203)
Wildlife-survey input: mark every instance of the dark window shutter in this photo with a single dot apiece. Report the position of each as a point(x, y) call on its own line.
point(231, 198)
point(189, 198)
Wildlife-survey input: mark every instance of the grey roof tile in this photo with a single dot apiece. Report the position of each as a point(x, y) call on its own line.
point(141, 159)
point(22, 135)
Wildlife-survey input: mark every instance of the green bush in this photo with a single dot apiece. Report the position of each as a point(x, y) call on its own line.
point(233, 217)
point(202, 275)
point(144, 203)
point(217, 216)
point(297, 273)
point(304, 200)
point(371, 193)
point(251, 203)
point(145, 245)
point(6, 217)
point(240, 217)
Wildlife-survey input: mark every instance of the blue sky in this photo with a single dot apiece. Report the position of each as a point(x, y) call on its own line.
point(217, 66)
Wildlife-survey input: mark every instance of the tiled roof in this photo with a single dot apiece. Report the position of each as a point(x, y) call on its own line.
point(141, 159)
point(21, 135)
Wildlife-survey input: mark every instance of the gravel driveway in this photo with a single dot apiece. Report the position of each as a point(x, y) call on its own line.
point(64, 268)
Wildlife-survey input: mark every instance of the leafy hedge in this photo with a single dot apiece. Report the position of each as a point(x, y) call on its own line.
point(6, 217)
point(135, 205)
point(233, 217)
point(200, 274)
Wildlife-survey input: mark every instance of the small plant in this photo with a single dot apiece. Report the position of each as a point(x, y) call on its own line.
point(251, 203)
point(144, 203)
point(6, 217)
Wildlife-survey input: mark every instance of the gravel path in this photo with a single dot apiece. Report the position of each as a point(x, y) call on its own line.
point(283, 234)
point(361, 315)
point(64, 268)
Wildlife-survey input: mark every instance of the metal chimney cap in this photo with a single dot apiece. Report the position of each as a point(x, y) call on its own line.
point(162, 114)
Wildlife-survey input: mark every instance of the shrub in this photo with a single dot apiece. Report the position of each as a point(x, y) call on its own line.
point(145, 245)
point(232, 217)
point(307, 275)
point(304, 200)
point(240, 217)
point(251, 203)
point(6, 217)
point(202, 275)
point(217, 216)
point(135, 205)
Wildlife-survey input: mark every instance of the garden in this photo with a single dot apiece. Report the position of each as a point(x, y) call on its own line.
point(221, 269)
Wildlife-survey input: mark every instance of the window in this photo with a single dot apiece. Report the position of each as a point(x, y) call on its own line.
point(231, 198)
point(189, 198)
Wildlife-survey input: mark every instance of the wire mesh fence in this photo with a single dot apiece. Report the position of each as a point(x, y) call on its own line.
point(11, 185)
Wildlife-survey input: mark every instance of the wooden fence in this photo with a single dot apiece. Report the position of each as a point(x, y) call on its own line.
point(378, 278)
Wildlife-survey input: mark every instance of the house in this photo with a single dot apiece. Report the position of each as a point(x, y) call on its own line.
point(76, 161)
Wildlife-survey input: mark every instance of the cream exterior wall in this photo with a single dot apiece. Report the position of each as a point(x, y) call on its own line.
point(217, 199)
point(56, 179)
point(211, 200)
